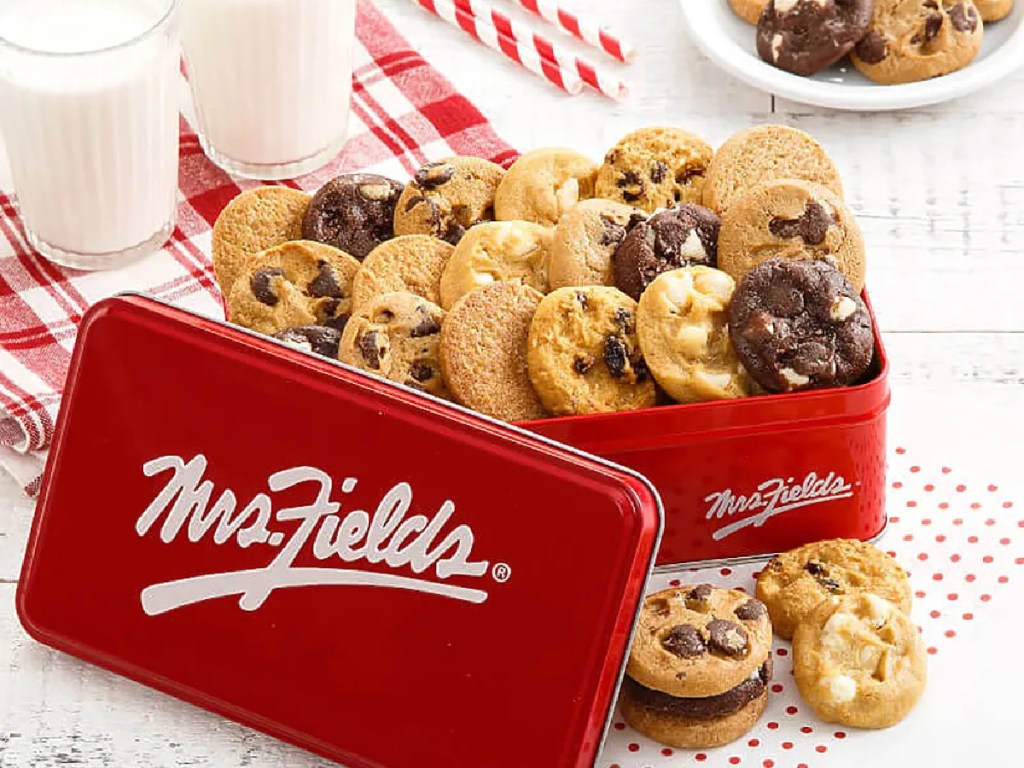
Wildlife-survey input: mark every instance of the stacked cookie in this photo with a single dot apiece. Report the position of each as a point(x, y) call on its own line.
point(890, 41)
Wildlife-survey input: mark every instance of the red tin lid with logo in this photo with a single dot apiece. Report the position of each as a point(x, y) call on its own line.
point(379, 577)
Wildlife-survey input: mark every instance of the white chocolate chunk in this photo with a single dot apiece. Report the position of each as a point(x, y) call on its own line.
point(718, 381)
point(842, 308)
point(678, 290)
point(776, 46)
point(693, 248)
point(568, 195)
point(879, 609)
point(785, 6)
point(841, 688)
point(795, 379)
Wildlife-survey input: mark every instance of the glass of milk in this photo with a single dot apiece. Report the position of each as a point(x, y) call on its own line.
point(89, 116)
point(271, 81)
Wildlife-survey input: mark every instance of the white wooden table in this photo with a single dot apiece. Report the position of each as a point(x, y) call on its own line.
point(939, 193)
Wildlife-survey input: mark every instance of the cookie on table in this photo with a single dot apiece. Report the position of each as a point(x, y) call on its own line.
point(792, 219)
point(446, 198)
point(682, 236)
point(585, 241)
point(683, 328)
point(748, 10)
point(798, 325)
point(254, 221)
point(583, 355)
point(912, 40)
point(497, 252)
point(794, 584)
point(807, 36)
point(542, 185)
point(353, 212)
point(860, 661)
point(409, 263)
point(318, 339)
point(762, 153)
point(484, 348)
point(655, 168)
point(296, 284)
point(397, 336)
point(994, 10)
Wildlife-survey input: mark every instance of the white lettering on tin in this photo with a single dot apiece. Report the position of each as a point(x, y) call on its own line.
point(386, 536)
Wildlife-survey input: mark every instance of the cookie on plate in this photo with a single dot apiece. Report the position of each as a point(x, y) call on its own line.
point(793, 219)
point(860, 661)
point(583, 355)
point(798, 325)
point(409, 263)
point(484, 347)
point(296, 284)
point(397, 336)
point(353, 212)
point(748, 10)
point(585, 241)
point(762, 153)
point(994, 10)
point(807, 36)
point(682, 236)
point(654, 168)
point(542, 185)
point(496, 252)
point(445, 199)
point(682, 326)
point(794, 584)
point(254, 221)
point(912, 40)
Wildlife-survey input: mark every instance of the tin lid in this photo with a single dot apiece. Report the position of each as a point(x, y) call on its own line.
point(366, 572)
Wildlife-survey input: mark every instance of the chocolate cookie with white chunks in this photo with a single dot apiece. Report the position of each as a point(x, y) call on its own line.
point(585, 241)
point(807, 36)
point(683, 236)
point(318, 339)
point(354, 212)
point(798, 325)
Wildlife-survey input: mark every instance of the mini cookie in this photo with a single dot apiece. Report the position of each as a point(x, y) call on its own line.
point(445, 199)
point(860, 661)
point(254, 221)
point(994, 10)
point(794, 584)
point(293, 285)
point(497, 252)
point(319, 339)
point(410, 264)
point(792, 219)
point(682, 326)
point(807, 36)
point(762, 153)
point(583, 353)
point(544, 184)
point(800, 325)
point(585, 240)
point(748, 10)
point(654, 168)
point(353, 212)
point(683, 236)
point(699, 641)
point(483, 351)
point(911, 40)
point(397, 336)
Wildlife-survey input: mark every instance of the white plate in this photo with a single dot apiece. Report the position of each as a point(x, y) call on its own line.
point(729, 42)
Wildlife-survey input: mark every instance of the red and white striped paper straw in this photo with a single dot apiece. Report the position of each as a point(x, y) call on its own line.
point(580, 28)
point(523, 54)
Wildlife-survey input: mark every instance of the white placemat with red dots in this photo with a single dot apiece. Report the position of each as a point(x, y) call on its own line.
point(957, 526)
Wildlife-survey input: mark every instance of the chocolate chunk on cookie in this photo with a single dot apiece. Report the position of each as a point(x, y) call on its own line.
point(318, 339)
point(807, 36)
point(585, 241)
point(354, 212)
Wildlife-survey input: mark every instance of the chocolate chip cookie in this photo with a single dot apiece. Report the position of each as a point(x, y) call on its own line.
point(911, 40)
point(296, 284)
point(585, 241)
point(748, 10)
point(792, 219)
point(397, 336)
point(318, 339)
point(794, 584)
point(799, 325)
point(583, 355)
point(446, 198)
point(682, 236)
point(542, 185)
point(654, 168)
point(354, 212)
point(806, 36)
point(409, 264)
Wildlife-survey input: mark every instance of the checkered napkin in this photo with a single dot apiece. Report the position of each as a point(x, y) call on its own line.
point(403, 113)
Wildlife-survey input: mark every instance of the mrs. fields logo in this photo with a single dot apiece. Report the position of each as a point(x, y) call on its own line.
point(387, 536)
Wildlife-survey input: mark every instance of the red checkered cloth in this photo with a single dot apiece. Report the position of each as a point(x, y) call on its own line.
point(403, 114)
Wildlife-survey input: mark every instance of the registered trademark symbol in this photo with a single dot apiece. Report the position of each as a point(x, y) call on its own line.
point(501, 573)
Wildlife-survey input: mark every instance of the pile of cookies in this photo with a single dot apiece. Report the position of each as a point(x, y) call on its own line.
point(564, 286)
point(700, 666)
point(889, 41)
